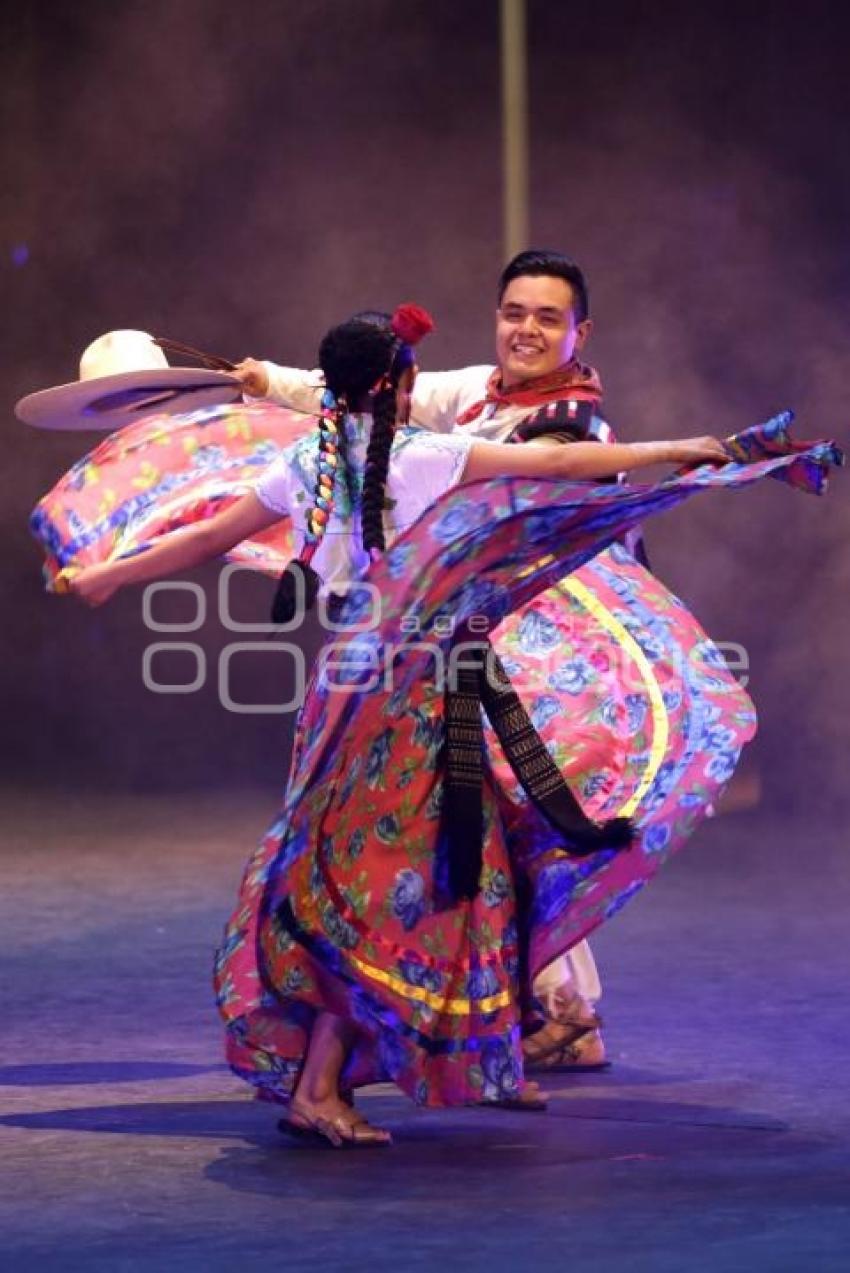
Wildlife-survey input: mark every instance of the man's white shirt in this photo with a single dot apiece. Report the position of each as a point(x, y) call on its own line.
point(439, 397)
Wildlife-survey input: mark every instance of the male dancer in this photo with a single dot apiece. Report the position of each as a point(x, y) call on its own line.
point(539, 388)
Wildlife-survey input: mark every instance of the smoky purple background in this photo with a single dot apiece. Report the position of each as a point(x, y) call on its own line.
point(242, 176)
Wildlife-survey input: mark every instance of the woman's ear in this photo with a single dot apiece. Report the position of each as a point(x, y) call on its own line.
point(404, 394)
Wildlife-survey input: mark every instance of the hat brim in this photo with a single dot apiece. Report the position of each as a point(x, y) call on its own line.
point(109, 402)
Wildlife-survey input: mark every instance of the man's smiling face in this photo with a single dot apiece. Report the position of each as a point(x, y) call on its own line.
point(536, 329)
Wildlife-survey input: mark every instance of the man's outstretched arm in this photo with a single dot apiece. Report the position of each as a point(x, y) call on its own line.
point(439, 397)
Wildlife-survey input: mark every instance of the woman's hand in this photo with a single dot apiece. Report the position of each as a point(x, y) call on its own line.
point(92, 584)
point(690, 453)
point(253, 377)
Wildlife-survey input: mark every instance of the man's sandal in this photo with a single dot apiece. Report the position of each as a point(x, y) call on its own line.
point(561, 1041)
point(583, 1055)
point(346, 1131)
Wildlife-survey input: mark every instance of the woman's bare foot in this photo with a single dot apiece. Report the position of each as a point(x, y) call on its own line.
point(532, 1094)
point(531, 1097)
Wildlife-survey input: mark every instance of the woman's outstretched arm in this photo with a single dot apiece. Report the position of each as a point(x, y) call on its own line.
point(178, 551)
point(585, 461)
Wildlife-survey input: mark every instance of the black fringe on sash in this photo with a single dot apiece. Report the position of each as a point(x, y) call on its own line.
point(480, 680)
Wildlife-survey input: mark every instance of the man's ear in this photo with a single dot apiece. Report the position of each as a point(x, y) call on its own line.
point(584, 330)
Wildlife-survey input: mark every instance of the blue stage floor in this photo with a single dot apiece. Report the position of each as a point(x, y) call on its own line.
point(717, 1142)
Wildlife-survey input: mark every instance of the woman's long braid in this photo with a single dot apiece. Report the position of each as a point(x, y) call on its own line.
point(365, 356)
point(377, 467)
point(342, 444)
point(331, 429)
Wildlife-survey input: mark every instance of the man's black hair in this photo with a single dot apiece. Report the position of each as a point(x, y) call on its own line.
point(536, 261)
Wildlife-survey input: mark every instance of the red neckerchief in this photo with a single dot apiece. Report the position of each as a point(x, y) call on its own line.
point(575, 380)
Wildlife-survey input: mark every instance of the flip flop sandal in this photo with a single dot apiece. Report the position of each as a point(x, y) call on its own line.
point(334, 1133)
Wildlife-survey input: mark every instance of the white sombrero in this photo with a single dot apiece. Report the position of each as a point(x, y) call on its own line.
point(124, 375)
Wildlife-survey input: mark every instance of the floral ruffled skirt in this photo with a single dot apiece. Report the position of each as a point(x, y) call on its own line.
point(341, 906)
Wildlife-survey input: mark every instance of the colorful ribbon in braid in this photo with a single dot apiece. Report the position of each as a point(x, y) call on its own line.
point(331, 423)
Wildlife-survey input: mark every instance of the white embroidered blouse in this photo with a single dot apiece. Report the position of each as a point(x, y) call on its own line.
point(422, 467)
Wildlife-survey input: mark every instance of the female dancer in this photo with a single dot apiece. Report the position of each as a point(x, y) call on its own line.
point(361, 948)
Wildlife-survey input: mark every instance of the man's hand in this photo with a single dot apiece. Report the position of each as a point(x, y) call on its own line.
point(253, 377)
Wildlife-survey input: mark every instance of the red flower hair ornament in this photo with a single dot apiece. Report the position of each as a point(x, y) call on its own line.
point(411, 322)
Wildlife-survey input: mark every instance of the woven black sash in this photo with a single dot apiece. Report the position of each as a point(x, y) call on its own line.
point(572, 421)
point(480, 680)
